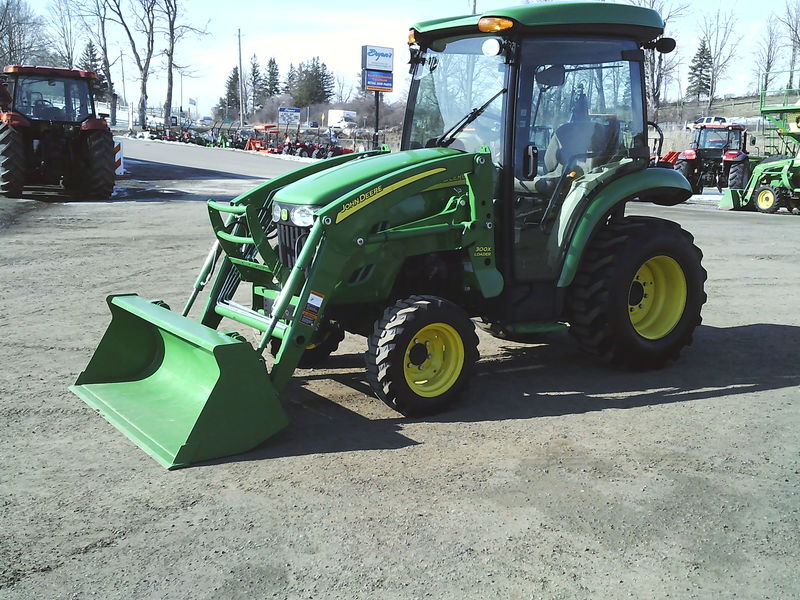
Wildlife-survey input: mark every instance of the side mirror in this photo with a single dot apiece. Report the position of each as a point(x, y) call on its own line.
point(665, 45)
point(530, 162)
point(752, 140)
point(552, 76)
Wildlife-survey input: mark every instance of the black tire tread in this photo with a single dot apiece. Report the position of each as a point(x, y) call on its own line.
point(383, 341)
point(99, 177)
point(589, 297)
point(12, 162)
point(738, 175)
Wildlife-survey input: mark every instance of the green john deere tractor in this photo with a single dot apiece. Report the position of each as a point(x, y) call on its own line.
point(775, 181)
point(525, 138)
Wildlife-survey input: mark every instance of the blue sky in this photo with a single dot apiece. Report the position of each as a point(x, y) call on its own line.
point(336, 30)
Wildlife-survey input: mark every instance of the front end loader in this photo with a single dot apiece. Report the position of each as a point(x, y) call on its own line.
point(505, 207)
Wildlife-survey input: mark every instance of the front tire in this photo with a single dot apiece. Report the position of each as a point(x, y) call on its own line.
point(12, 162)
point(420, 355)
point(637, 297)
point(765, 199)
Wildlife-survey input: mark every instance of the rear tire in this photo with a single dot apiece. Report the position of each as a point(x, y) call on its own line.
point(99, 176)
point(685, 168)
point(637, 297)
point(766, 199)
point(420, 355)
point(739, 175)
point(12, 162)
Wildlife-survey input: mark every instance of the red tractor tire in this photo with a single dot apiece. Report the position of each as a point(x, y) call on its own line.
point(98, 179)
point(685, 168)
point(739, 175)
point(12, 162)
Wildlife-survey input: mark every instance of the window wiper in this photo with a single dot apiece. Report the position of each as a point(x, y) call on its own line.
point(449, 136)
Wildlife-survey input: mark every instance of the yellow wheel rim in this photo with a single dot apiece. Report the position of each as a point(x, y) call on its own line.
point(433, 360)
point(657, 297)
point(765, 199)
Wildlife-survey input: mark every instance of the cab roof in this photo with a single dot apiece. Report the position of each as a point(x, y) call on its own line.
point(51, 71)
point(598, 18)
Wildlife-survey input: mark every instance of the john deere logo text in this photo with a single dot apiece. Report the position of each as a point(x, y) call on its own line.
point(361, 198)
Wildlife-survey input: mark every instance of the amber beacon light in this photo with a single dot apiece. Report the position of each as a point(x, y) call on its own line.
point(488, 24)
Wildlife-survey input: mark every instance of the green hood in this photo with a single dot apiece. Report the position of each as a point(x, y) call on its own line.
point(320, 189)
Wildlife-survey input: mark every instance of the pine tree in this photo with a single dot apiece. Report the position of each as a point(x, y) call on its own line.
point(272, 80)
point(313, 83)
point(90, 61)
point(230, 101)
point(700, 72)
point(290, 83)
point(256, 85)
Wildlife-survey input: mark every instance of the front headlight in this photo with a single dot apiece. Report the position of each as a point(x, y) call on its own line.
point(303, 216)
point(276, 212)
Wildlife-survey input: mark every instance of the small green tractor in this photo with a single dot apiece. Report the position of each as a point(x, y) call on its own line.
point(775, 181)
point(525, 138)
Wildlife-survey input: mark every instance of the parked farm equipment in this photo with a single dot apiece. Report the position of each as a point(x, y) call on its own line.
point(718, 157)
point(775, 182)
point(471, 219)
point(50, 133)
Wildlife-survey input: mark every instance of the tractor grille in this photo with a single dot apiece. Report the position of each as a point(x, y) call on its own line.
point(290, 242)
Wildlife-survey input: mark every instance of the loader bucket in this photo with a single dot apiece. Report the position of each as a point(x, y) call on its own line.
point(183, 392)
point(732, 199)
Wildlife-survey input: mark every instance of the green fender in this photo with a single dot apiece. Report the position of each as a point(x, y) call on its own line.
point(660, 186)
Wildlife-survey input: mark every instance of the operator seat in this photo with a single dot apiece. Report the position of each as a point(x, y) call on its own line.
point(578, 137)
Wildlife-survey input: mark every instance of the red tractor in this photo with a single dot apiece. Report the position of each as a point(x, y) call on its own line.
point(718, 157)
point(50, 134)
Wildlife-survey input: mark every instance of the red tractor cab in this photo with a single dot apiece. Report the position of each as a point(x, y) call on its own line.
point(50, 133)
point(717, 157)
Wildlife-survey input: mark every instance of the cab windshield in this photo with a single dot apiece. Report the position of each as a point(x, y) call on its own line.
point(453, 78)
point(719, 138)
point(52, 99)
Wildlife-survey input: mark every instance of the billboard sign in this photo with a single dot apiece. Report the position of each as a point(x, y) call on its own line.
point(377, 58)
point(378, 81)
point(288, 115)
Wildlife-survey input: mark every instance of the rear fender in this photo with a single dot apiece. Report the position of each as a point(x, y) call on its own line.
point(659, 186)
point(94, 124)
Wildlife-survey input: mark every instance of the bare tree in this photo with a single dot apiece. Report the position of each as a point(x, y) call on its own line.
point(767, 54)
point(717, 30)
point(660, 68)
point(137, 16)
point(21, 34)
point(343, 90)
point(61, 21)
point(94, 17)
point(791, 20)
point(174, 31)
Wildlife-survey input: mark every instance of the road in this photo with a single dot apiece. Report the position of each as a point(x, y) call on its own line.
point(554, 478)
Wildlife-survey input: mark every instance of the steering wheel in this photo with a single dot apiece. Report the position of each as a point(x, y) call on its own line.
point(45, 103)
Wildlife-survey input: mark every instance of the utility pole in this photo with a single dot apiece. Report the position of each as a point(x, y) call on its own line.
point(241, 83)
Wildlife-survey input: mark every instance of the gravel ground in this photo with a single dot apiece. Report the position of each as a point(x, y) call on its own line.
point(555, 478)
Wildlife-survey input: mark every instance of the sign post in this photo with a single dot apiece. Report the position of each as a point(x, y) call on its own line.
point(377, 63)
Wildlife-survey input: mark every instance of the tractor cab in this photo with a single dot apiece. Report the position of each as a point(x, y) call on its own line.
point(560, 109)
